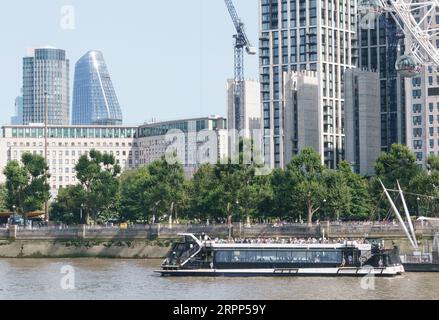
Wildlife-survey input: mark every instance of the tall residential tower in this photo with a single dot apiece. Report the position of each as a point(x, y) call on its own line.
point(94, 97)
point(298, 35)
point(46, 70)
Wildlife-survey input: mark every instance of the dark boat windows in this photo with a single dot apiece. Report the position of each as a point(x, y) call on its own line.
point(282, 256)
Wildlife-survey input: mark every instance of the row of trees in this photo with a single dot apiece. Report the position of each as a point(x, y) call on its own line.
point(304, 190)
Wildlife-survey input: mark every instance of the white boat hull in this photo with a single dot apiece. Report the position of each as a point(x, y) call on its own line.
point(335, 272)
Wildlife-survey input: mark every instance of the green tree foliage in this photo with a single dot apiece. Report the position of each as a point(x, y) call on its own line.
point(97, 174)
point(27, 184)
point(361, 202)
point(426, 183)
point(155, 189)
point(229, 190)
point(67, 206)
point(134, 204)
point(338, 194)
point(3, 197)
point(305, 180)
point(166, 192)
point(202, 193)
point(399, 164)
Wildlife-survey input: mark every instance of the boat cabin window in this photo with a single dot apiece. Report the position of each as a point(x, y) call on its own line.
point(286, 256)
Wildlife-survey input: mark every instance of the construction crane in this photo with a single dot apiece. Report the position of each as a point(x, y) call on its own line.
point(241, 42)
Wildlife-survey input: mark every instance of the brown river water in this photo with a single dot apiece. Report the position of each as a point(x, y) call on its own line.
point(90, 279)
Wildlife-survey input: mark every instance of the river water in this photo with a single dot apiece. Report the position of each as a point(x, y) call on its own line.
point(135, 279)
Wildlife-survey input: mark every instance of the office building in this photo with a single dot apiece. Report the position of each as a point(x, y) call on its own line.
point(65, 145)
point(198, 141)
point(46, 70)
point(362, 120)
point(194, 141)
point(298, 35)
point(94, 98)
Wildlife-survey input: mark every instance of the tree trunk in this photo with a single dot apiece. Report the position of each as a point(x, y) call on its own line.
point(87, 217)
point(170, 212)
point(229, 219)
point(310, 214)
point(25, 220)
point(310, 210)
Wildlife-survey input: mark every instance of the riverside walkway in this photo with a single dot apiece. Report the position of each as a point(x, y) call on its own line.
point(351, 230)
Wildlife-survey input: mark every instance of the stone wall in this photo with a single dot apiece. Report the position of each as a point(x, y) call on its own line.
point(123, 249)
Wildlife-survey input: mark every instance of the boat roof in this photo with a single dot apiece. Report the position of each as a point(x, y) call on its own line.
point(217, 245)
point(334, 246)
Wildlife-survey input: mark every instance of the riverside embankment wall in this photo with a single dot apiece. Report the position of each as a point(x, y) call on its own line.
point(120, 249)
point(154, 241)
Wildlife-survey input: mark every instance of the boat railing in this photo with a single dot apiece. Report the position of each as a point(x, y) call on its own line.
point(188, 255)
point(417, 258)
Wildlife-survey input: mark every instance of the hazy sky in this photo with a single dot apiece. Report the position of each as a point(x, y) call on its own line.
point(167, 59)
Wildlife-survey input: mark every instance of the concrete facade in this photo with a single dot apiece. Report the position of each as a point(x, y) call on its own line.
point(302, 113)
point(195, 141)
point(198, 141)
point(362, 120)
point(319, 36)
point(251, 109)
point(65, 145)
point(422, 98)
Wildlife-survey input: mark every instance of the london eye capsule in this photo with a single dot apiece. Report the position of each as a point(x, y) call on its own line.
point(407, 66)
point(369, 6)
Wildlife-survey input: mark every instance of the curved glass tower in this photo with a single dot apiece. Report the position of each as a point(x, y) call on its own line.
point(94, 99)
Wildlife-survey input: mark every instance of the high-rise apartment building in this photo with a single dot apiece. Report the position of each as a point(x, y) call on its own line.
point(422, 97)
point(94, 97)
point(46, 71)
point(298, 35)
point(380, 37)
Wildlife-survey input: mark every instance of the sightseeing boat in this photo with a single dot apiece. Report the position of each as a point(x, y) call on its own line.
point(202, 256)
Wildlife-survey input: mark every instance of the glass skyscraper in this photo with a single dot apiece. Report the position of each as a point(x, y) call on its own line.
point(94, 97)
point(379, 52)
point(46, 70)
point(17, 119)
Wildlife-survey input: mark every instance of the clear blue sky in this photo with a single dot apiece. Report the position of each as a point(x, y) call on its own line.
point(167, 59)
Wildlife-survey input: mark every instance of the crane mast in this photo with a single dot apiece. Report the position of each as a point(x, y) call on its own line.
point(241, 42)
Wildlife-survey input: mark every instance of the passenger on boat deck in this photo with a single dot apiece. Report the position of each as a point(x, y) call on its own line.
point(288, 241)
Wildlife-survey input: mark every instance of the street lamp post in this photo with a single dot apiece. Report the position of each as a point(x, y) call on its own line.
point(417, 201)
point(80, 214)
point(324, 209)
point(240, 218)
point(46, 211)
